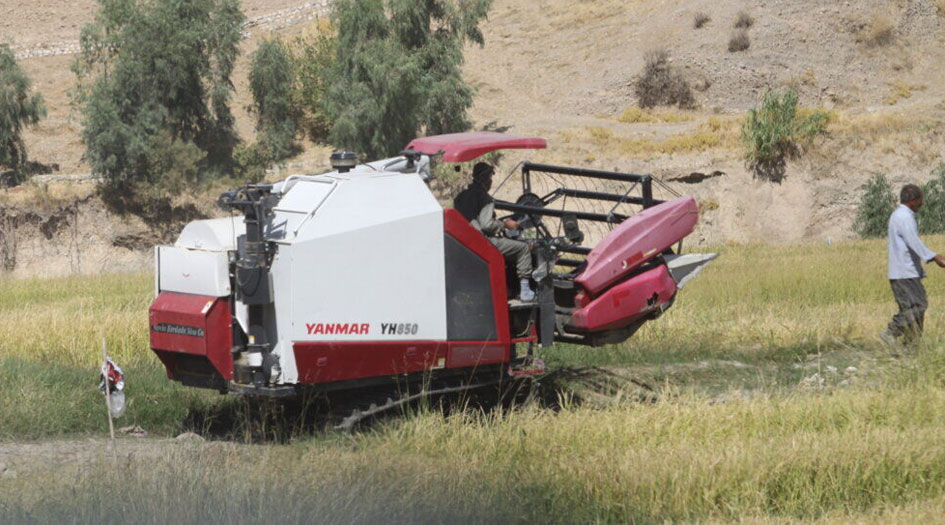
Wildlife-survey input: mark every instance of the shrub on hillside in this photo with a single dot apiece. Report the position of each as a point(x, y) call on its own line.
point(776, 132)
point(879, 200)
point(700, 19)
point(931, 216)
point(739, 41)
point(880, 31)
point(277, 109)
point(661, 84)
point(18, 109)
point(252, 161)
point(876, 204)
point(743, 20)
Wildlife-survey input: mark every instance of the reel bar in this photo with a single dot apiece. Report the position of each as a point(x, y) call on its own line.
point(579, 250)
point(570, 263)
point(646, 181)
point(534, 210)
point(601, 196)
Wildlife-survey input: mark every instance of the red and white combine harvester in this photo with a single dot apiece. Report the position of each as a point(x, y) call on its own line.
point(358, 277)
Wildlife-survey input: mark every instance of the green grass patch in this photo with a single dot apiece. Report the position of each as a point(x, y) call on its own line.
point(42, 400)
point(760, 318)
point(51, 348)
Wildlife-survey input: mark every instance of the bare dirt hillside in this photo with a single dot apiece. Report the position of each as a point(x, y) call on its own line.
point(566, 70)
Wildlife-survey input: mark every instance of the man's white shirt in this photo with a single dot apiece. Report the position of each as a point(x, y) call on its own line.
point(906, 251)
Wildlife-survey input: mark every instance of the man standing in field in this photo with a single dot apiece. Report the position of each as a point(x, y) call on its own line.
point(906, 254)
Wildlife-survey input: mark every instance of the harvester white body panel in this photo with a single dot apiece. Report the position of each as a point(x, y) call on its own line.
point(198, 263)
point(212, 235)
point(302, 200)
point(353, 256)
point(342, 272)
point(192, 271)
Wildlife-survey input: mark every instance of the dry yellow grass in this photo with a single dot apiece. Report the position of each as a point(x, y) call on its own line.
point(871, 124)
point(868, 452)
point(852, 455)
point(633, 115)
point(893, 132)
point(900, 91)
point(884, 129)
point(568, 15)
point(712, 133)
point(62, 321)
point(46, 196)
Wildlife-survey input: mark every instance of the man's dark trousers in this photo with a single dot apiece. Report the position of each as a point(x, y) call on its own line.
point(910, 296)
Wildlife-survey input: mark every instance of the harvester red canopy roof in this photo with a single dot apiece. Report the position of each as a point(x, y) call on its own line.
point(462, 147)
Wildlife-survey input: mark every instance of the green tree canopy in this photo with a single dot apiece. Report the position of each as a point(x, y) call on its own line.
point(18, 108)
point(155, 90)
point(272, 81)
point(398, 71)
point(314, 60)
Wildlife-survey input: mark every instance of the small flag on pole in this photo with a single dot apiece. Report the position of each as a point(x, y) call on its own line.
point(114, 389)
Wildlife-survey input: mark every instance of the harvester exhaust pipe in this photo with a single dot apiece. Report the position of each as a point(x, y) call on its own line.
point(253, 283)
point(344, 161)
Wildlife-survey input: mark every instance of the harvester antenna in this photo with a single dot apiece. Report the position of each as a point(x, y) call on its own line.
point(511, 172)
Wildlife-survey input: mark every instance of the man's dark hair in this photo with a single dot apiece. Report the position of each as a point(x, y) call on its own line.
point(482, 171)
point(909, 193)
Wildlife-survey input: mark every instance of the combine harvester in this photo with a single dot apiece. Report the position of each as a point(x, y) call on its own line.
point(358, 279)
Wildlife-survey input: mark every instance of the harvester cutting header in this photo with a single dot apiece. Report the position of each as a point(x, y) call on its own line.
point(359, 276)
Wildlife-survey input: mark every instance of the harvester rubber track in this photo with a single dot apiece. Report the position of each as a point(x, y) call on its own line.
point(367, 411)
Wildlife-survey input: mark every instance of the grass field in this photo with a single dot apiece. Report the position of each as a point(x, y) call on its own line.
point(775, 405)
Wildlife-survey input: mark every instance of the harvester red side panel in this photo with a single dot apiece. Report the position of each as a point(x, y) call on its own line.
point(341, 361)
point(626, 302)
point(457, 227)
point(636, 240)
point(192, 324)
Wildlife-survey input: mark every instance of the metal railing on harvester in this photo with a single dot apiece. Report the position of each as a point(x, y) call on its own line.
point(598, 200)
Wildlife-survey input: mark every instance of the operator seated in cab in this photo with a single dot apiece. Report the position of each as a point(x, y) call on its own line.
point(478, 207)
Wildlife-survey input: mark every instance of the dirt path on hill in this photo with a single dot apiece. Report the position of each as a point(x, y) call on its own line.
point(58, 24)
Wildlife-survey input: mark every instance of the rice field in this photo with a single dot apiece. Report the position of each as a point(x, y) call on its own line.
point(774, 404)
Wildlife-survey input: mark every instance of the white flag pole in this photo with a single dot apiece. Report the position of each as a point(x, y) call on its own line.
point(108, 392)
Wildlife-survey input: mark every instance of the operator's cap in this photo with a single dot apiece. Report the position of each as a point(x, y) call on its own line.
point(482, 171)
